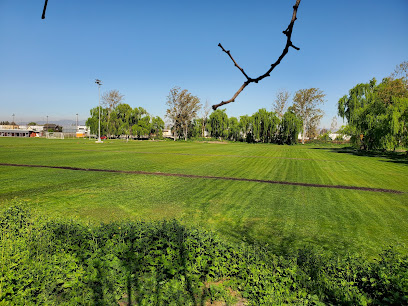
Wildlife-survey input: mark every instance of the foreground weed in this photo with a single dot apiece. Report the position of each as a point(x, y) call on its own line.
point(48, 261)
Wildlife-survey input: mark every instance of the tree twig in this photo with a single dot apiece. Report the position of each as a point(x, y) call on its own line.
point(288, 33)
point(45, 7)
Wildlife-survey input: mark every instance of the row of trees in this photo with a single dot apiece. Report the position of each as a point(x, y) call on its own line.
point(262, 126)
point(119, 118)
point(278, 126)
point(377, 114)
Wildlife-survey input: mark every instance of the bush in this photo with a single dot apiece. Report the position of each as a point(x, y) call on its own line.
point(68, 262)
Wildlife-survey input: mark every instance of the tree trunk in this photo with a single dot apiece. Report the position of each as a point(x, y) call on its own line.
point(108, 130)
point(303, 134)
point(185, 133)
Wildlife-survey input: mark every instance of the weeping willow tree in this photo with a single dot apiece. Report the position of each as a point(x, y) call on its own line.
point(265, 125)
point(290, 127)
point(377, 114)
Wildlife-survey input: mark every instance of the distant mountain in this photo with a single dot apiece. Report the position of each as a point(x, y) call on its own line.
point(62, 122)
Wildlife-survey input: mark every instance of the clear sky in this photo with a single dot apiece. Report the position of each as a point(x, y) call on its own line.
point(144, 48)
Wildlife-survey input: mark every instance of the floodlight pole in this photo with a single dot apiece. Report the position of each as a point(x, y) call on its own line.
point(99, 82)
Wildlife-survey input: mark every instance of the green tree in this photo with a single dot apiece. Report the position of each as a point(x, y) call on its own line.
point(142, 127)
point(121, 123)
point(156, 127)
point(305, 106)
point(290, 127)
point(110, 100)
point(234, 129)
point(265, 125)
point(376, 114)
point(196, 128)
point(219, 123)
point(140, 122)
point(246, 126)
point(93, 120)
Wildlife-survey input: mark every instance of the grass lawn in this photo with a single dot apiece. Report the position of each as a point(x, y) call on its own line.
point(284, 216)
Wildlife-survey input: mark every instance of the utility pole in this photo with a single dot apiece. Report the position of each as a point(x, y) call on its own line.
point(99, 82)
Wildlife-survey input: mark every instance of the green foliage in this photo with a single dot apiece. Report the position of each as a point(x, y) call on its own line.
point(265, 126)
point(325, 137)
point(156, 127)
point(290, 127)
point(196, 128)
point(218, 123)
point(234, 129)
point(48, 261)
point(123, 120)
point(262, 126)
point(377, 114)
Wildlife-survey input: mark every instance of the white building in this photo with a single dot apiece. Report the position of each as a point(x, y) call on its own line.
point(334, 135)
point(82, 131)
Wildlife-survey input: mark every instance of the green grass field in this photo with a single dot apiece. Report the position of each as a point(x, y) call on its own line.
point(284, 216)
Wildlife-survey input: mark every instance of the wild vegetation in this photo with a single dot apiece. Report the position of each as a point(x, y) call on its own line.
point(46, 261)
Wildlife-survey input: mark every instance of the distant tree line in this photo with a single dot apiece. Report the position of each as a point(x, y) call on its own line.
point(377, 113)
point(262, 126)
point(187, 118)
point(7, 123)
point(120, 119)
point(282, 125)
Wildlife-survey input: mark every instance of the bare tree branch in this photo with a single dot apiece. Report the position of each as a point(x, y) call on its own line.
point(288, 33)
point(45, 7)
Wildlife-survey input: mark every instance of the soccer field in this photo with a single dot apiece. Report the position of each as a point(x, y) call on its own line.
point(286, 196)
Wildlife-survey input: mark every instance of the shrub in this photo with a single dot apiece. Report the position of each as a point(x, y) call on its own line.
point(68, 262)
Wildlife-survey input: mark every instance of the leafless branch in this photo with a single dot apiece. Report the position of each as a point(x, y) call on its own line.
point(288, 33)
point(45, 7)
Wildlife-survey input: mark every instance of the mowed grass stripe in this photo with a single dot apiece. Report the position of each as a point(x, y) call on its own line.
point(362, 171)
point(209, 177)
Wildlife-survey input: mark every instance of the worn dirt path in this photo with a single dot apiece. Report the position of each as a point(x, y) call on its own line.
point(209, 177)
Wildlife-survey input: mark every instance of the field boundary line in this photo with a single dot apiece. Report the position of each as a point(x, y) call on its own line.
point(209, 177)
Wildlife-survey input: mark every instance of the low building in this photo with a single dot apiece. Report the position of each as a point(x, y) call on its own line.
point(82, 131)
point(15, 133)
point(337, 135)
point(51, 127)
point(9, 127)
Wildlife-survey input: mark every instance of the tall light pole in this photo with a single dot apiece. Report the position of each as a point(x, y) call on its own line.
point(13, 119)
point(99, 82)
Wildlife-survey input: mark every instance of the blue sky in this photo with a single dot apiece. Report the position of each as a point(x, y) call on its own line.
point(144, 48)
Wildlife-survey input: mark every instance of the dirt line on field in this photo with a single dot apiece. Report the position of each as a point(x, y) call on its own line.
point(210, 177)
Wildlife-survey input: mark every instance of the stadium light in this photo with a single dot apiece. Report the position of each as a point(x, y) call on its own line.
point(99, 82)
